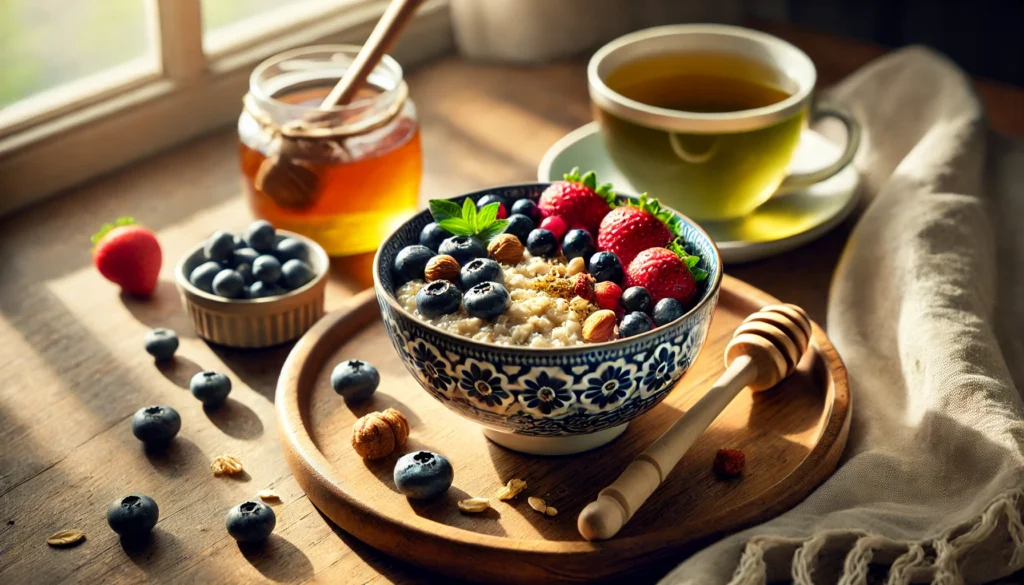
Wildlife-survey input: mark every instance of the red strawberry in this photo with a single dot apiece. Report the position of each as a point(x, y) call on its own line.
point(578, 201)
point(607, 294)
point(663, 273)
point(128, 255)
point(632, 228)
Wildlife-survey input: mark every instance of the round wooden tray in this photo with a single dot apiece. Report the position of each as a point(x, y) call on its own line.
point(792, 435)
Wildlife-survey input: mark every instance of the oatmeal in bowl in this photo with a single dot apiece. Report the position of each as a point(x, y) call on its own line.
point(549, 313)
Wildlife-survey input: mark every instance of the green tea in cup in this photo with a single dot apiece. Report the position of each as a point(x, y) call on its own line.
point(707, 117)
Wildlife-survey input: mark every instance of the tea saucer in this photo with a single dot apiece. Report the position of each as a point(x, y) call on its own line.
point(786, 221)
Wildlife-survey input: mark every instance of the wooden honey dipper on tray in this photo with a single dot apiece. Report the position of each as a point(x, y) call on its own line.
point(765, 348)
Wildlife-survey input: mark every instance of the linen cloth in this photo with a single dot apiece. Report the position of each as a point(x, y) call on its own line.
point(926, 309)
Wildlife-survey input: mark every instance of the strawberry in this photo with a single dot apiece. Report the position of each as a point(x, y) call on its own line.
point(583, 286)
point(634, 227)
point(607, 295)
point(578, 201)
point(128, 255)
point(664, 274)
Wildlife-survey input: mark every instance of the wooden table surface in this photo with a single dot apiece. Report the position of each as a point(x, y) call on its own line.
point(73, 369)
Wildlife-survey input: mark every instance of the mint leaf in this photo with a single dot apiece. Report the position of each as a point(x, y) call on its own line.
point(469, 212)
point(487, 215)
point(457, 226)
point(443, 209)
point(497, 227)
point(699, 275)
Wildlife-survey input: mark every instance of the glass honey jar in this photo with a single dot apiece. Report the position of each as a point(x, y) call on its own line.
point(344, 176)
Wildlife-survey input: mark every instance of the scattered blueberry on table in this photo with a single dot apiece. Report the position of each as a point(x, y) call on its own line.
point(481, 270)
point(636, 298)
point(133, 517)
point(250, 521)
point(155, 426)
point(211, 388)
point(355, 380)
point(437, 298)
point(667, 311)
point(423, 475)
point(161, 343)
point(487, 300)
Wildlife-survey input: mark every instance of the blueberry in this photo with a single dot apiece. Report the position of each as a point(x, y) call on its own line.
point(668, 310)
point(432, 235)
point(354, 379)
point(156, 425)
point(487, 300)
point(636, 298)
point(261, 236)
point(437, 298)
point(605, 266)
point(202, 276)
point(411, 261)
point(296, 273)
point(250, 521)
point(481, 270)
point(219, 246)
point(266, 269)
point(262, 290)
point(462, 248)
point(491, 198)
point(133, 516)
point(243, 256)
point(228, 284)
point(635, 323)
point(520, 226)
point(211, 388)
point(240, 242)
point(541, 242)
point(423, 475)
point(577, 244)
point(245, 270)
point(528, 208)
point(291, 249)
point(161, 343)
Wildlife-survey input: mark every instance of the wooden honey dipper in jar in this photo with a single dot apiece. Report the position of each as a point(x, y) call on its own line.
point(765, 348)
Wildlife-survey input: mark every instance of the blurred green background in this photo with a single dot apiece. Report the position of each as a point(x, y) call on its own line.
point(46, 43)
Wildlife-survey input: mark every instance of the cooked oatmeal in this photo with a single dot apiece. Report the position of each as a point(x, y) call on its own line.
point(544, 311)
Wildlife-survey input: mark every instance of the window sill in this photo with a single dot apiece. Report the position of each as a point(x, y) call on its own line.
point(161, 113)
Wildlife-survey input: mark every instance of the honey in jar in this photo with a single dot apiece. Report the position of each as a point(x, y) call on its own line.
point(344, 176)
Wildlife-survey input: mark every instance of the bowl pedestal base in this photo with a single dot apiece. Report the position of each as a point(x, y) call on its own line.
point(568, 445)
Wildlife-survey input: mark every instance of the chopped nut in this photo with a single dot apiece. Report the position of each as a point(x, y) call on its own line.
point(268, 495)
point(551, 511)
point(511, 489)
point(599, 327)
point(474, 505)
point(583, 286)
point(66, 538)
point(576, 266)
point(537, 504)
point(376, 435)
point(506, 248)
point(442, 267)
point(226, 465)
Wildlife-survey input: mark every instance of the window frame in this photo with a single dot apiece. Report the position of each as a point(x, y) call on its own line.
point(190, 93)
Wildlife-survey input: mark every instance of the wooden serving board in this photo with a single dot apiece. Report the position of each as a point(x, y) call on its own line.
point(792, 435)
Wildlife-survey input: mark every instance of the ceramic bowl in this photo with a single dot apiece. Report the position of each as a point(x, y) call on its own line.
point(254, 323)
point(591, 391)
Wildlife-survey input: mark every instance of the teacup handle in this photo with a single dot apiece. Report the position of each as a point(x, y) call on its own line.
point(797, 181)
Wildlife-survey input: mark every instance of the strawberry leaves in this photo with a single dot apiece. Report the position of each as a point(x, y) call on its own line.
point(589, 180)
point(109, 227)
point(676, 247)
point(467, 220)
point(653, 206)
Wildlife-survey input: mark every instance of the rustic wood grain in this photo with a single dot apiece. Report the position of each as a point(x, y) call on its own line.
point(73, 369)
point(792, 436)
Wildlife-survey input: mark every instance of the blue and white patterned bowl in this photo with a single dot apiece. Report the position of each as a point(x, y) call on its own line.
point(547, 401)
